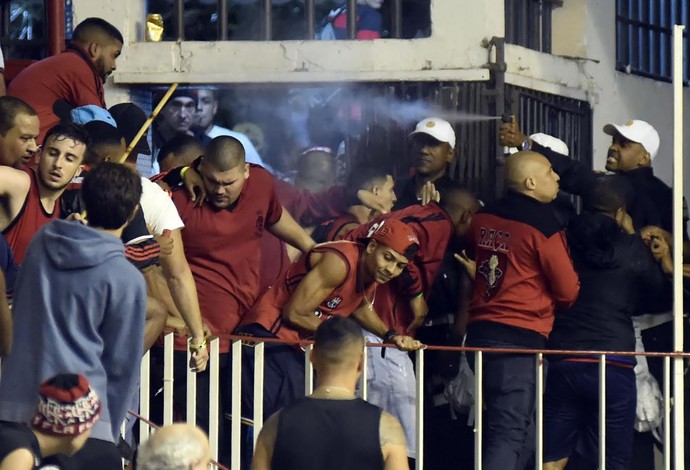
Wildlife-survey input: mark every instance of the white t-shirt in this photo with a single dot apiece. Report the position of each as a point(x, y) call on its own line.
point(160, 212)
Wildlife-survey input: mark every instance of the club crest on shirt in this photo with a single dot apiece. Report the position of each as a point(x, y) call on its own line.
point(259, 223)
point(492, 270)
point(334, 302)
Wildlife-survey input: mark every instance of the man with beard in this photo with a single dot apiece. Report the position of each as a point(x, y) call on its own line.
point(76, 75)
point(31, 198)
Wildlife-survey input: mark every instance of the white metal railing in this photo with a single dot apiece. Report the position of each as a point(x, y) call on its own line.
point(670, 429)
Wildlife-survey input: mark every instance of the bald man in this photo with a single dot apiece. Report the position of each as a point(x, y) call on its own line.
point(523, 273)
point(331, 428)
point(316, 169)
point(179, 446)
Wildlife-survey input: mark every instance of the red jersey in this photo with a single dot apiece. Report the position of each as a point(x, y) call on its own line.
point(330, 230)
point(223, 249)
point(342, 301)
point(434, 229)
point(30, 219)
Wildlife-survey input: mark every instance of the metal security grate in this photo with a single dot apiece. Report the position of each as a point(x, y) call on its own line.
point(644, 36)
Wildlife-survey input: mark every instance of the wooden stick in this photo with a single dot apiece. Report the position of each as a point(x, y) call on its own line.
point(149, 121)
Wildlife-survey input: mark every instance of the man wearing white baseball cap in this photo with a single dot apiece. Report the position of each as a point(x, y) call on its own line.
point(634, 144)
point(432, 145)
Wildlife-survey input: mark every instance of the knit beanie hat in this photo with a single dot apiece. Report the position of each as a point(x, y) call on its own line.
point(67, 406)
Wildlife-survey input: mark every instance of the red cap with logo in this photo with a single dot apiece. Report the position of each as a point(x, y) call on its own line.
point(396, 235)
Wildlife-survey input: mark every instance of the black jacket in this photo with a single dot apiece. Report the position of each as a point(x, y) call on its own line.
point(618, 278)
point(650, 203)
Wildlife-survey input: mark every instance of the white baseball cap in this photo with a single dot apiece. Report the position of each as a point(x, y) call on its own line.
point(548, 141)
point(638, 131)
point(437, 128)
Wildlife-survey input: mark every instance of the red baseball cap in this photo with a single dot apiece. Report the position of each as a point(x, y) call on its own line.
point(396, 235)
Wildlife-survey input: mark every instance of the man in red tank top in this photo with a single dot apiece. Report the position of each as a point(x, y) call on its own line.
point(333, 279)
point(30, 198)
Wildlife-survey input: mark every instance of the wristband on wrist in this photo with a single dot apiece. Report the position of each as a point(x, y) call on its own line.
point(198, 346)
point(390, 334)
point(183, 171)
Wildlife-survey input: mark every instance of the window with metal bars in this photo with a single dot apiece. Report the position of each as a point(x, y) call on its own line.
point(528, 23)
point(644, 36)
point(23, 29)
point(270, 20)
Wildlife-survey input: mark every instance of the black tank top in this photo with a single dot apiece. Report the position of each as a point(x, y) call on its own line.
point(318, 434)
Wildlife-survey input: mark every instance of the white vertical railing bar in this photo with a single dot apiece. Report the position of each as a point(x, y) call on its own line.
point(145, 396)
point(308, 371)
point(236, 407)
point(363, 384)
point(602, 411)
point(213, 395)
point(419, 408)
point(667, 413)
point(678, 378)
point(191, 389)
point(478, 407)
point(258, 389)
point(168, 377)
point(539, 456)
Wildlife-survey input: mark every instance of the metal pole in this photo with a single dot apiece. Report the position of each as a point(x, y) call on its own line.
point(351, 19)
point(145, 396)
point(56, 26)
point(678, 379)
point(214, 395)
point(539, 456)
point(667, 413)
point(396, 19)
point(419, 399)
point(236, 405)
point(602, 411)
point(308, 371)
point(478, 406)
point(311, 18)
point(267, 23)
point(258, 389)
point(168, 377)
point(222, 20)
point(363, 384)
point(191, 388)
point(179, 19)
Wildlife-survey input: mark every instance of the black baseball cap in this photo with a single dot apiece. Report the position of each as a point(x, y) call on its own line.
point(130, 118)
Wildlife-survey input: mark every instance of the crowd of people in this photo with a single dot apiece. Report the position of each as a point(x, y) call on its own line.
point(218, 245)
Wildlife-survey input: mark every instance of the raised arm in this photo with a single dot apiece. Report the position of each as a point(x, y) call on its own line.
point(558, 268)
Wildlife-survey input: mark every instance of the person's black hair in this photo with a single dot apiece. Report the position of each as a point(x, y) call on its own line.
point(10, 107)
point(607, 194)
point(111, 193)
point(101, 134)
point(84, 31)
point(224, 153)
point(177, 145)
point(67, 130)
point(337, 333)
point(364, 177)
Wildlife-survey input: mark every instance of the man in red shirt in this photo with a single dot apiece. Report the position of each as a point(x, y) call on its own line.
point(76, 75)
point(523, 272)
point(18, 132)
point(333, 279)
point(29, 198)
point(222, 239)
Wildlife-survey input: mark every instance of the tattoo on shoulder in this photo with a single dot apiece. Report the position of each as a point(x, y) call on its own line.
point(390, 431)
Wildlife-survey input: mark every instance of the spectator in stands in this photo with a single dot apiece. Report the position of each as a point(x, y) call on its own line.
point(177, 446)
point(333, 279)
point(18, 132)
point(177, 116)
point(130, 118)
point(31, 198)
point(375, 180)
point(67, 410)
point(89, 304)
point(240, 205)
point(206, 112)
point(331, 428)
point(401, 303)
point(433, 146)
point(618, 275)
point(75, 75)
point(369, 21)
point(523, 273)
point(315, 169)
point(181, 150)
